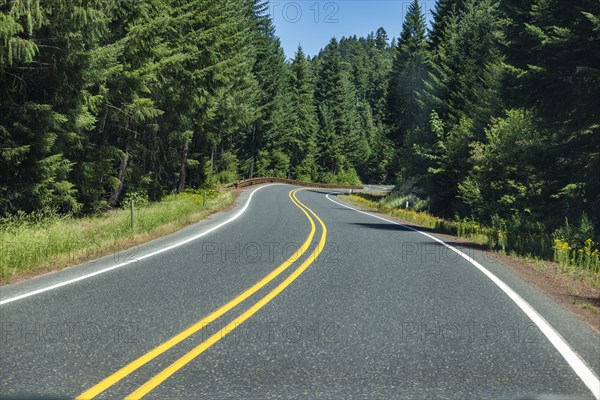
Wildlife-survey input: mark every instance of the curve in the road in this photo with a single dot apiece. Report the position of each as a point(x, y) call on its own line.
point(585, 373)
point(146, 358)
point(201, 348)
point(137, 259)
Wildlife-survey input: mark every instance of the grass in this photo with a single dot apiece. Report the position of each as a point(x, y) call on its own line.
point(585, 304)
point(582, 264)
point(540, 265)
point(36, 242)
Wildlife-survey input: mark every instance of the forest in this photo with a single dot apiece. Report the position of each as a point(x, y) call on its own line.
point(491, 114)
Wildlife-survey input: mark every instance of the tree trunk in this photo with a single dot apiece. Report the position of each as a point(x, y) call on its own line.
point(114, 197)
point(182, 169)
point(253, 150)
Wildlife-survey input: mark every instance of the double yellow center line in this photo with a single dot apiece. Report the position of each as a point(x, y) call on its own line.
point(181, 362)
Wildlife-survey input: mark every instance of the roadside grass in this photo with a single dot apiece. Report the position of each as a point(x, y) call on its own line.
point(40, 242)
point(581, 264)
point(584, 304)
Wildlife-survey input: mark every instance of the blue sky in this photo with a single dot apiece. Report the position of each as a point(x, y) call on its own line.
point(312, 23)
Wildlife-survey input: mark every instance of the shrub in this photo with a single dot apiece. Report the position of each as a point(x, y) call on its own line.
point(140, 199)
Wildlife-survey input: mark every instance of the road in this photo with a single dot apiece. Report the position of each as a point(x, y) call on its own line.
point(292, 295)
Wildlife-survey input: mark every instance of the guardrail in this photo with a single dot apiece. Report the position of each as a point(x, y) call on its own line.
point(258, 181)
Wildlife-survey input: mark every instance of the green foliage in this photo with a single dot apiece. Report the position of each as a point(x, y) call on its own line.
point(302, 144)
point(409, 69)
point(577, 235)
point(442, 14)
point(492, 116)
point(227, 168)
point(505, 127)
point(103, 101)
point(558, 78)
point(454, 102)
point(44, 239)
point(337, 95)
point(95, 113)
point(274, 163)
point(140, 199)
point(505, 179)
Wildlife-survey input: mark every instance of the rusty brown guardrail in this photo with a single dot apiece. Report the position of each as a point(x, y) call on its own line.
point(258, 181)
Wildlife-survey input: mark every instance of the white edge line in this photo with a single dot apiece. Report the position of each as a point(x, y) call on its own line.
point(162, 250)
point(578, 365)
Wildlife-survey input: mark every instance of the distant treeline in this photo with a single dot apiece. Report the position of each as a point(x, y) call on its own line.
point(493, 114)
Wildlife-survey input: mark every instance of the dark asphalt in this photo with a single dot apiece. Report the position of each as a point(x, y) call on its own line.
point(384, 312)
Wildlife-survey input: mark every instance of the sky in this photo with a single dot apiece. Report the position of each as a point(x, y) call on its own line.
point(313, 23)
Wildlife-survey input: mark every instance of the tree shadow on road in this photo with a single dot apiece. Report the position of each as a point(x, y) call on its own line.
point(407, 228)
point(383, 226)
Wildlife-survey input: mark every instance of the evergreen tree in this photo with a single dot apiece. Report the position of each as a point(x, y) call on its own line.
point(379, 72)
point(328, 150)
point(409, 69)
point(42, 65)
point(302, 151)
point(336, 93)
point(554, 50)
point(274, 124)
point(443, 12)
point(381, 39)
point(461, 95)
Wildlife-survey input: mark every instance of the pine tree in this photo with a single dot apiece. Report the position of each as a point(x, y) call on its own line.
point(42, 64)
point(409, 69)
point(468, 66)
point(461, 94)
point(444, 10)
point(357, 57)
point(379, 72)
point(381, 39)
point(553, 48)
point(328, 149)
point(302, 151)
point(215, 72)
point(272, 130)
point(336, 92)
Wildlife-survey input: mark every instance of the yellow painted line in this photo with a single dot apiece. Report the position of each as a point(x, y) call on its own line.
point(180, 363)
point(141, 361)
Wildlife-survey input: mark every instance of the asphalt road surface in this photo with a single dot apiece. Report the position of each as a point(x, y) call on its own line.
point(292, 295)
